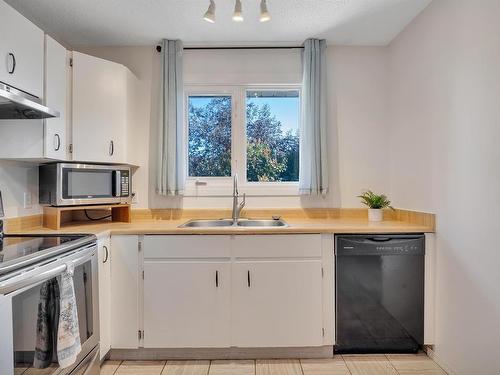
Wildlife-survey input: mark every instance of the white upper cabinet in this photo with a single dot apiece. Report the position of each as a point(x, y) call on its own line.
point(99, 109)
point(56, 63)
point(42, 139)
point(21, 52)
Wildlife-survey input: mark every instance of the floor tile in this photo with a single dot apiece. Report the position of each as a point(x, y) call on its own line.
point(414, 365)
point(186, 368)
point(329, 366)
point(278, 367)
point(140, 368)
point(110, 367)
point(369, 365)
point(20, 370)
point(46, 371)
point(232, 368)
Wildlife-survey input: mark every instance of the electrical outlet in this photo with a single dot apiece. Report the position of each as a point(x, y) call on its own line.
point(27, 200)
point(135, 198)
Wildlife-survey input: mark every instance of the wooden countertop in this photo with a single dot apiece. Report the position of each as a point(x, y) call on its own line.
point(167, 221)
point(296, 225)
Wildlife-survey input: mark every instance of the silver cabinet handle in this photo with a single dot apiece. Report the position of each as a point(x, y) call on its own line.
point(13, 59)
point(57, 142)
point(216, 279)
point(111, 148)
point(249, 281)
point(107, 254)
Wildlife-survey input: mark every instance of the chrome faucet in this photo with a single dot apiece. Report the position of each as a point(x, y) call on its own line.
point(237, 207)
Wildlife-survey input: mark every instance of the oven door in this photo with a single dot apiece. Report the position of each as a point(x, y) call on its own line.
point(92, 184)
point(19, 318)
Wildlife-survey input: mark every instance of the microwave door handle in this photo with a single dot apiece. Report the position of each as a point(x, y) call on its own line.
point(117, 185)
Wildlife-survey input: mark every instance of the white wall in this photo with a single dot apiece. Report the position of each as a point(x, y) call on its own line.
point(357, 88)
point(445, 132)
point(359, 93)
point(15, 179)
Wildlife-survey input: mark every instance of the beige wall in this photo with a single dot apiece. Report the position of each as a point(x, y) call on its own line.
point(357, 78)
point(445, 158)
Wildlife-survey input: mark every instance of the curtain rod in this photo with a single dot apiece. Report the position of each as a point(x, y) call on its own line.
point(158, 48)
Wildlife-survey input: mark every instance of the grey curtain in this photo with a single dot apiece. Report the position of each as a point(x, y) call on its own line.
point(313, 172)
point(171, 163)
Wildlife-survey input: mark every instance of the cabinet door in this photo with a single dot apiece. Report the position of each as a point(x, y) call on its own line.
point(55, 97)
point(277, 303)
point(21, 51)
point(104, 248)
point(187, 304)
point(99, 109)
point(124, 292)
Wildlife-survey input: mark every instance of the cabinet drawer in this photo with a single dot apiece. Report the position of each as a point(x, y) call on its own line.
point(277, 246)
point(190, 246)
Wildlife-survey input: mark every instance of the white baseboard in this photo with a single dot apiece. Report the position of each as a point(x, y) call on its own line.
point(447, 368)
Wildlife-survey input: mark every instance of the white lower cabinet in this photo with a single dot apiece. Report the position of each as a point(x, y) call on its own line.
point(277, 303)
point(104, 248)
point(222, 291)
point(125, 284)
point(187, 303)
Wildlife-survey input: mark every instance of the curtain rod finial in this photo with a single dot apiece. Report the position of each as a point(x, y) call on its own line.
point(158, 48)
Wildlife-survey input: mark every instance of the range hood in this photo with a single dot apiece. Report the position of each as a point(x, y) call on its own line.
point(18, 105)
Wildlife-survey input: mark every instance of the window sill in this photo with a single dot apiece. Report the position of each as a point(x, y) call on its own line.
point(257, 189)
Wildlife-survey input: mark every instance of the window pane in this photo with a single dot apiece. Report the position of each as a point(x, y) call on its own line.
point(209, 124)
point(273, 135)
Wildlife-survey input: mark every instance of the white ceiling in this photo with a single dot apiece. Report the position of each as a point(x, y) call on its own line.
point(144, 22)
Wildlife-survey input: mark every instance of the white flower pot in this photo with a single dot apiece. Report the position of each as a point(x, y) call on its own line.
point(375, 214)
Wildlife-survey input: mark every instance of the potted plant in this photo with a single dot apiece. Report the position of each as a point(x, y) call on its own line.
point(375, 203)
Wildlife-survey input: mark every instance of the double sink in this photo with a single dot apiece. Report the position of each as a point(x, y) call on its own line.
point(202, 223)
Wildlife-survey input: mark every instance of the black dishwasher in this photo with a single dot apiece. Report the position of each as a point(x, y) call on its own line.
point(379, 293)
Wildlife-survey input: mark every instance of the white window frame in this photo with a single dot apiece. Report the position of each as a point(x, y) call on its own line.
point(222, 186)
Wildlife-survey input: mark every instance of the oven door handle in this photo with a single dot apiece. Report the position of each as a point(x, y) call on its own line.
point(32, 277)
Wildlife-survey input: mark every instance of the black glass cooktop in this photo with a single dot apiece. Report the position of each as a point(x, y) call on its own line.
point(18, 248)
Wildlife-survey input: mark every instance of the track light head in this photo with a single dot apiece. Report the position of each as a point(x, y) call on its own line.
point(209, 15)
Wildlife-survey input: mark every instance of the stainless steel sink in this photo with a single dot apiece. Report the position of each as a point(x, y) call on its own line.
point(203, 223)
point(262, 223)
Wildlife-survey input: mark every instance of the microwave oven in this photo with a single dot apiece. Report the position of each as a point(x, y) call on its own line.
point(71, 184)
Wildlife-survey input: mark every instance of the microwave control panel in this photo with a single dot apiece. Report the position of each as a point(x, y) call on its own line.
point(124, 182)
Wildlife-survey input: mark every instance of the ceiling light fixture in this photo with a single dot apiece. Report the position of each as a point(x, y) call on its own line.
point(238, 13)
point(209, 15)
point(264, 13)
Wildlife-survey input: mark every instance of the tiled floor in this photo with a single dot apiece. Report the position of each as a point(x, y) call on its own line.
point(340, 365)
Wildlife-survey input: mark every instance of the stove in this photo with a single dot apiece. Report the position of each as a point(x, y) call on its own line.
point(28, 264)
point(21, 250)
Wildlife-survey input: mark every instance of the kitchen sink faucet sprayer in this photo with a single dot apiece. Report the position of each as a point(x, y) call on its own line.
point(237, 207)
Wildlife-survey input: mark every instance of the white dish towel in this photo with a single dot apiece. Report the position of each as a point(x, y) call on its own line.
point(68, 332)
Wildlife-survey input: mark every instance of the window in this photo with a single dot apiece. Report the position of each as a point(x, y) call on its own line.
point(248, 130)
point(272, 129)
point(209, 128)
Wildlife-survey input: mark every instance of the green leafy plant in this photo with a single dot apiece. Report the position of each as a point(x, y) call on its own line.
point(375, 201)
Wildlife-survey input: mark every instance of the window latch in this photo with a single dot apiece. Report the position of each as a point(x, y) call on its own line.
point(200, 183)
